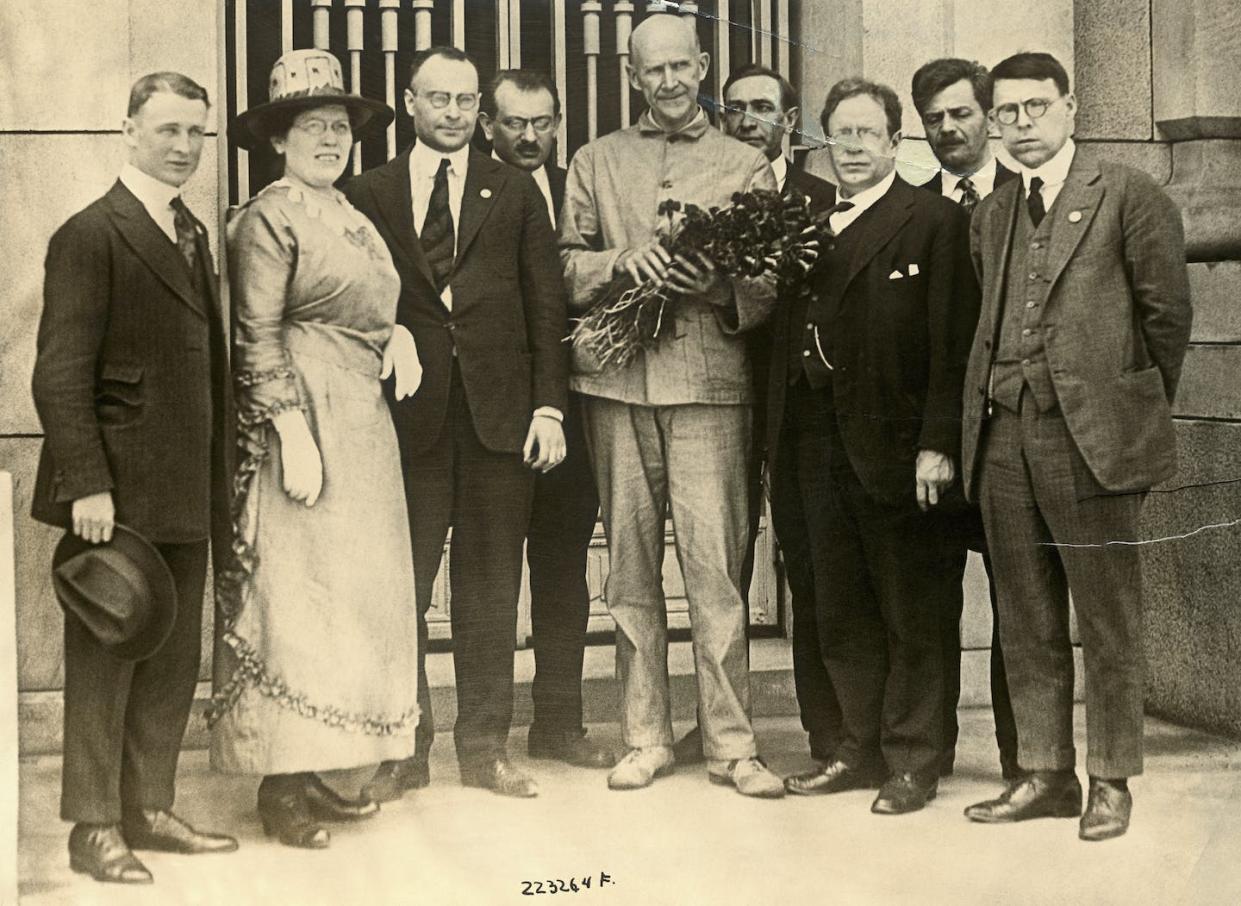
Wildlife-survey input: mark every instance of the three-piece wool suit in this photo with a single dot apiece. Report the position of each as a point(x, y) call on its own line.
point(1067, 424)
point(131, 385)
point(867, 370)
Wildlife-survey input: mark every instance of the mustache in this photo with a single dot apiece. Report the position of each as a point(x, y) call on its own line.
point(528, 147)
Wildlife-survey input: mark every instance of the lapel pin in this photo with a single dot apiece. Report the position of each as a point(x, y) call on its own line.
point(1075, 216)
point(486, 193)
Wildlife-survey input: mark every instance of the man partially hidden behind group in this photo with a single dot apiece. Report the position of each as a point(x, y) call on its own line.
point(520, 116)
point(131, 386)
point(671, 430)
point(864, 411)
point(1067, 424)
point(952, 97)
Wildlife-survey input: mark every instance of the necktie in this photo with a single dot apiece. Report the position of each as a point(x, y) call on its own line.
point(438, 237)
point(969, 195)
point(184, 224)
point(1034, 201)
point(838, 208)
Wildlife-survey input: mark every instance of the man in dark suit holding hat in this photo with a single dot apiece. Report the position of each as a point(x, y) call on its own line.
point(131, 386)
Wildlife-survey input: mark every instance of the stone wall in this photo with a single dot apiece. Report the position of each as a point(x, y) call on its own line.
point(1159, 87)
point(66, 67)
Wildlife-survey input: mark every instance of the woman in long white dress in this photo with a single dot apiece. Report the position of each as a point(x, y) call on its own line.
point(318, 669)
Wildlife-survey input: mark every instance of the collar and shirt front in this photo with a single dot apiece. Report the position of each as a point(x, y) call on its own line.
point(540, 180)
point(155, 196)
point(982, 179)
point(1053, 173)
point(861, 202)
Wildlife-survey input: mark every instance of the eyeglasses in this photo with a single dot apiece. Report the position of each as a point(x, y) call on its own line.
point(340, 128)
point(440, 99)
point(862, 136)
point(541, 124)
point(1007, 114)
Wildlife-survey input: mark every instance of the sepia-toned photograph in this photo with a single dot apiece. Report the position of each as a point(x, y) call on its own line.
point(734, 452)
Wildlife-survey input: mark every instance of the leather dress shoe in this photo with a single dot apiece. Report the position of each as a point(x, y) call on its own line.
point(688, 749)
point(902, 794)
point(1107, 811)
point(99, 850)
point(285, 813)
point(831, 777)
point(570, 746)
point(325, 804)
point(393, 778)
point(499, 776)
point(1038, 794)
point(163, 831)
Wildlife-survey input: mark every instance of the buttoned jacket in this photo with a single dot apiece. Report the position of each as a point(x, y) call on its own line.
point(1116, 318)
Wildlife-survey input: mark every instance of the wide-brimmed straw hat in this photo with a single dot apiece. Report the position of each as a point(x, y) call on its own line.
point(303, 80)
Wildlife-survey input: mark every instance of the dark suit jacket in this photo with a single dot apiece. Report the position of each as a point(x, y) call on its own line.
point(936, 182)
point(508, 316)
point(821, 195)
point(131, 378)
point(555, 181)
point(1117, 316)
point(899, 346)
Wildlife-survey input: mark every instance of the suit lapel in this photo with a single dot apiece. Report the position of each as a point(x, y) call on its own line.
point(393, 196)
point(1074, 209)
point(152, 245)
point(1003, 219)
point(483, 182)
point(876, 226)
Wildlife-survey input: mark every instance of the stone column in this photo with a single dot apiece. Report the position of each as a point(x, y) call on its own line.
point(8, 698)
point(1193, 623)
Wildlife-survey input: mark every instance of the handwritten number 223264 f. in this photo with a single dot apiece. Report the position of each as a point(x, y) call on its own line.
point(559, 885)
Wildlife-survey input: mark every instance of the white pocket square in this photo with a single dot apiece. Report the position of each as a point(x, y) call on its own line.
point(895, 275)
point(913, 270)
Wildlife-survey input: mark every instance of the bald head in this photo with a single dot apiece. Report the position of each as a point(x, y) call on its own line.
point(667, 64)
point(665, 26)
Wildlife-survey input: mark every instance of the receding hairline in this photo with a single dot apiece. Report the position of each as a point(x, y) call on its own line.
point(662, 19)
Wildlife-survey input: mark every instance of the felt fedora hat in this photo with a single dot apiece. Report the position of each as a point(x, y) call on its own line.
point(122, 591)
point(302, 80)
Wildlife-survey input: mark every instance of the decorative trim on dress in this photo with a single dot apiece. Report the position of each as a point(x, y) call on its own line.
point(234, 588)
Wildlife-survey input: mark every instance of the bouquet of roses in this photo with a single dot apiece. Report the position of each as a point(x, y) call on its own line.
point(760, 233)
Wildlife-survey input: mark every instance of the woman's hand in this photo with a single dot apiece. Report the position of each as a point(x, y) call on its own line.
point(401, 357)
point(299, 457)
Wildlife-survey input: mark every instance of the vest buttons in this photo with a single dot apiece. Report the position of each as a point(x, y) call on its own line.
point(1030, 304)
point(1026, 332)
point(805, 353)
point(1033, 276)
